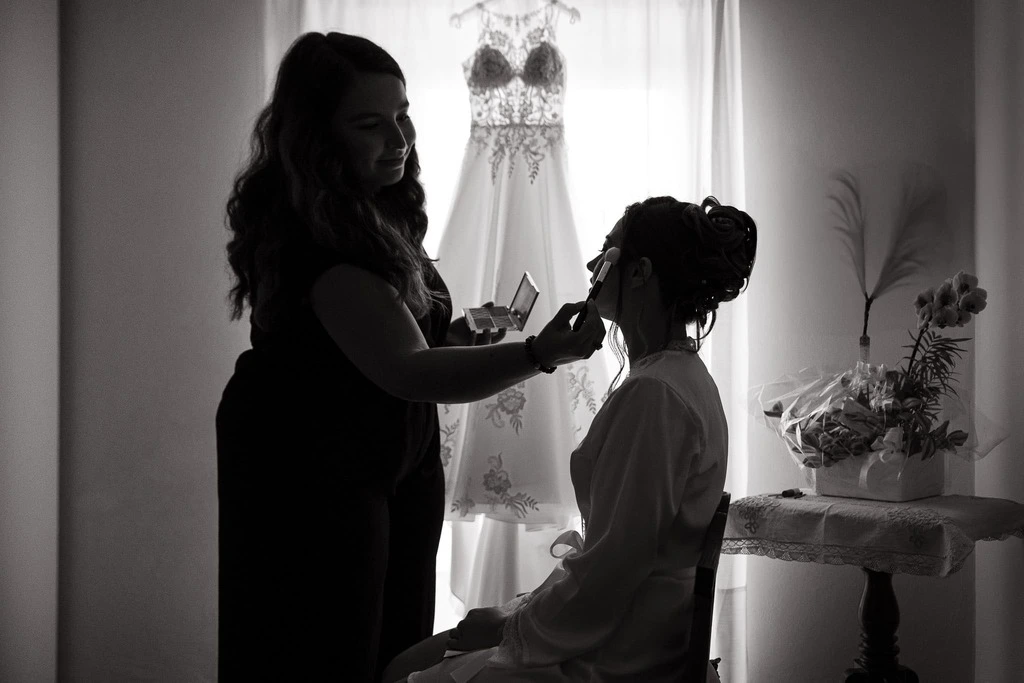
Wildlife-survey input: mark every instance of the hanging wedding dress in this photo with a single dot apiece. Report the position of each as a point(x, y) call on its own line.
point(507, 458)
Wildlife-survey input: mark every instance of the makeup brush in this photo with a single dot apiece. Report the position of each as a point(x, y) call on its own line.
point(611, 257)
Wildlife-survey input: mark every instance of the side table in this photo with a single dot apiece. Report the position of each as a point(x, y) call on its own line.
point(927, 537)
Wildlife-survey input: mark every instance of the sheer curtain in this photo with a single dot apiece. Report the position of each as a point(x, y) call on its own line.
point(653, 107)
point(999, 244)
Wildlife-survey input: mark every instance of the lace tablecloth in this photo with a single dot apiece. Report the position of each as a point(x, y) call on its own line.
point(928, 537)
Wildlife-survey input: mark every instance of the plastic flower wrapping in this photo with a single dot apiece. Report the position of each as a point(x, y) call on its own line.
point(888, 414)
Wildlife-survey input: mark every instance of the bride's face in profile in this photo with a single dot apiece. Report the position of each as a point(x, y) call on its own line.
point(634, 279)
point(608, 296)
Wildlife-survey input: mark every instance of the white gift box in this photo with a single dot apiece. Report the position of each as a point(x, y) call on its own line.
point(878, 476)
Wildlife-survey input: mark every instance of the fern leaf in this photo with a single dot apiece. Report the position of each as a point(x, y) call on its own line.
point(909, 246)
point(849, 213)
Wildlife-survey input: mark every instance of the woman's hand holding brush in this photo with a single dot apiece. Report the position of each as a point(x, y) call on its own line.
point(611, 257)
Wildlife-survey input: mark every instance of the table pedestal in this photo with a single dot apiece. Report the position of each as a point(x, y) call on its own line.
point(927, 537)
point(879, 619)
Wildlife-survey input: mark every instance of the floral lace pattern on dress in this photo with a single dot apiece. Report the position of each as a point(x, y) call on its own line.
point(516, 82)
point(498, 485)
point(511, 402)
point(492, 482)
point(448, 434)
point(509, 142)
point(581, 392)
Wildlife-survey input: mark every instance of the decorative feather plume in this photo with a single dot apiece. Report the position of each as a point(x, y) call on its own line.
point(909, 244)
point(849, 211)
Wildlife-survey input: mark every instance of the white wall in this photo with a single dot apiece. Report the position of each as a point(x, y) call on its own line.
point(29, 330)
point(158, 100)
point(847, 83)
point(999, 45)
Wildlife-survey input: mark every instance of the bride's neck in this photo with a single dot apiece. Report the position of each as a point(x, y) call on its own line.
point(649, 337)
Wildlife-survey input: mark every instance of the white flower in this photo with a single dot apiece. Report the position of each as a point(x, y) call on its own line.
point(974, 301)
point(891, 445)
point(944, 295)
point(946, 316)
point(964, 282)
point(925, 298)
point(924, 315)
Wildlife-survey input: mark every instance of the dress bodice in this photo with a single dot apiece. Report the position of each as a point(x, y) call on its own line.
point(516, 75)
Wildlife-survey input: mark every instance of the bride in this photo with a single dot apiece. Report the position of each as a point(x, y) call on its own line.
point(648, 475)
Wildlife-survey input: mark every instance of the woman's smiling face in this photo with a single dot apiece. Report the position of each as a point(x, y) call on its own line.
point(373, 127)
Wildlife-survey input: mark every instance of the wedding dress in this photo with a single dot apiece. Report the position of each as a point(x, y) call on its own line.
point(506, 458)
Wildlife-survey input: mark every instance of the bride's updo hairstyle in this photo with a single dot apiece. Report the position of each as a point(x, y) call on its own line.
point(702, 255)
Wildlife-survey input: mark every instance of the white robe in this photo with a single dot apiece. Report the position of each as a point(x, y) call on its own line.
point(648, 477)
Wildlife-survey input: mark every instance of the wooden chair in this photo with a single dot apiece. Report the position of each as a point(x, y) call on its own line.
point(699, 651)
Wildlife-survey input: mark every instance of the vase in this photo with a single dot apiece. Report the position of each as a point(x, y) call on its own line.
point(874, 476)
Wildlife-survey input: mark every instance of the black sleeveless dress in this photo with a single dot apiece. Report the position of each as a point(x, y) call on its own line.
point(331, 497)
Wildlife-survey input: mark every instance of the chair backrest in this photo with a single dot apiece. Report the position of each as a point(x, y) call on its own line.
point(699, 650)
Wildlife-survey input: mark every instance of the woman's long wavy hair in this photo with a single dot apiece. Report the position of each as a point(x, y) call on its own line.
point(295, 195)
point(703, 255)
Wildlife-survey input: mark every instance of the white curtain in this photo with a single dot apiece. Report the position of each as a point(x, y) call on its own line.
point(999, 373)
point(653, 107)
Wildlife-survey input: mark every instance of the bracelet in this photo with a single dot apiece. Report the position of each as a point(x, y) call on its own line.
point(532, 357)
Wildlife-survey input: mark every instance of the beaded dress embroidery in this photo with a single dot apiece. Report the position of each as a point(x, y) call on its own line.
point(516, 80)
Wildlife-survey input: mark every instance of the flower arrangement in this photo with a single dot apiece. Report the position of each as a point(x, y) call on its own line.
point(873, 431)
point(894, 413)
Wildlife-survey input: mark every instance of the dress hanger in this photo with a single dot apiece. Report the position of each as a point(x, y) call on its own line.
point(574, 14)
point(456, 19)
